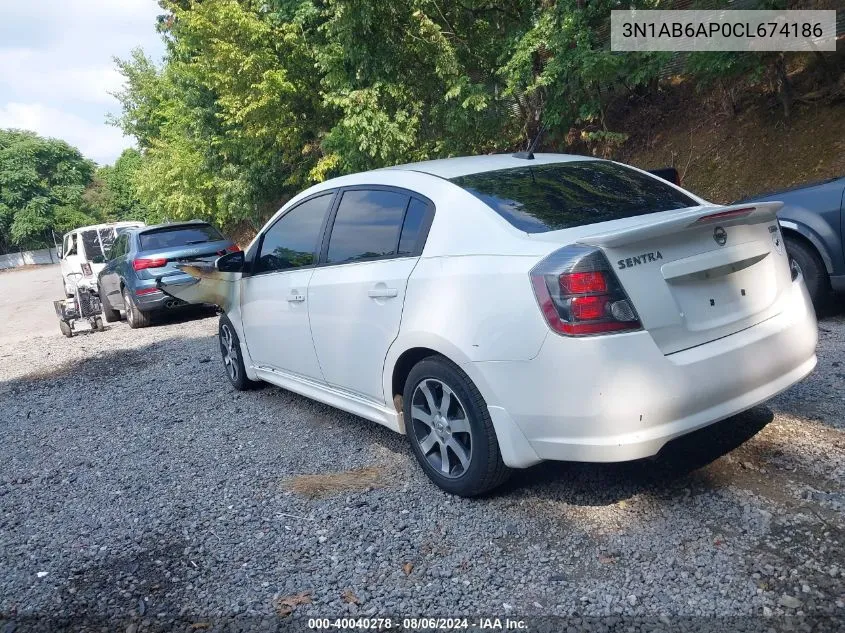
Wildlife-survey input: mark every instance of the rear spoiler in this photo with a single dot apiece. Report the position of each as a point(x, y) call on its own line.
point(685, 219)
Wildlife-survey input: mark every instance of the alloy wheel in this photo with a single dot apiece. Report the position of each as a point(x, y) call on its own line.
point(441, 428)
point(229, 351)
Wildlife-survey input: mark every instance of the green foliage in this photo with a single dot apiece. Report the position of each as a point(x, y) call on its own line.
point(257, 99)
point(112, 194)
point(711, 67)
point(42, 181)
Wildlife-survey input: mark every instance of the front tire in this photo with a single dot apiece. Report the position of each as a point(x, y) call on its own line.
point(233, 360)
point(134, 317)
point(450, 430)
point(64, 326)
point(812, 269)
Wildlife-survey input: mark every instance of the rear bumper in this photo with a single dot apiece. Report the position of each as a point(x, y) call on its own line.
point(152, 298)
point(618, 398)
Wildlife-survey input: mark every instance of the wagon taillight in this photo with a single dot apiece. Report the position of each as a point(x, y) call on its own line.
point(143, 263)
point(579, 294)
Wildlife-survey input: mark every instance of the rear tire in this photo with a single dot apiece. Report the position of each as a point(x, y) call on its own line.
point(64, 326)
point(109, 314)
point(233, 359)
point(812, 269)
point(445, 414)
point(98, 325)
point(134, 317)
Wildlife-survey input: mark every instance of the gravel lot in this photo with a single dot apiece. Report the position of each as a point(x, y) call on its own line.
point(140, 492)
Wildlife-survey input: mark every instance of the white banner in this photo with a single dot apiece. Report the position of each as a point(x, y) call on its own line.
point(716, 30)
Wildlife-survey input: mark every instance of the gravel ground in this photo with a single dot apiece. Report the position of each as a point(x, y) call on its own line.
point(140, 492)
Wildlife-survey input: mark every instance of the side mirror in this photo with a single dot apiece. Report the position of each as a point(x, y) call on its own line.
point(98, 259)
point(59, 253)
point(231, 262)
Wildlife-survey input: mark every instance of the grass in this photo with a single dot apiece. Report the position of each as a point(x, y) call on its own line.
point(328, 484)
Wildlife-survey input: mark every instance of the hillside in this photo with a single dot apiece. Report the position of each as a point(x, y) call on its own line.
point(724, 156)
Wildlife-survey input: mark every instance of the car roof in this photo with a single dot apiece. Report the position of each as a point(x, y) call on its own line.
point(465, 165)
point(167, 225)
point(105, 225)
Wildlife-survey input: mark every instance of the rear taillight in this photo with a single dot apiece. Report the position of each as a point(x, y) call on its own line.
point(140, 292)
point(141, 264)
point(86, 269)
point(579, 294)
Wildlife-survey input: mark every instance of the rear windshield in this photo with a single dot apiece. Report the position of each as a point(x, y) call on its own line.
point(172, 236)
point(541, 198)
point(91, 243)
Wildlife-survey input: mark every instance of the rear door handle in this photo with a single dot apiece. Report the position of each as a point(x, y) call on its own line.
point(294, 298)
point(377, 293)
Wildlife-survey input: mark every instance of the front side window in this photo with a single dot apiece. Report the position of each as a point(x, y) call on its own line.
point(541, 198)
point(366, 225)
point(292, 241)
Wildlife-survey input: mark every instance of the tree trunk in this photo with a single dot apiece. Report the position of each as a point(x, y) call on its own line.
point(784, 85)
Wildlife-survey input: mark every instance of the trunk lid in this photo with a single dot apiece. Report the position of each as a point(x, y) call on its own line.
point(695, 275)
point(206, 253)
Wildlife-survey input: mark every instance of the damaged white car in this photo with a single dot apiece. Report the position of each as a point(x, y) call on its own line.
point(503, 310)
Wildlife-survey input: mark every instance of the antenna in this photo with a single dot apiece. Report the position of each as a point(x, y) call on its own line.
point(529, 155)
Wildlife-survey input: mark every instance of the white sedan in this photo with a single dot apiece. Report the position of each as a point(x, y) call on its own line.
point(503, 310)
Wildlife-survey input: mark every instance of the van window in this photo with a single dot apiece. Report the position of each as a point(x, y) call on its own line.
point(91, 243)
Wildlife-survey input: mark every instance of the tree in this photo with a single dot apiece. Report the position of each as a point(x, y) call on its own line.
point(417, 79)
point(230, 124)
point(112, 194)
point(41, 186)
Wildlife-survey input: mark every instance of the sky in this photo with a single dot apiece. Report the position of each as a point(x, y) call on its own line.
point(56, 68)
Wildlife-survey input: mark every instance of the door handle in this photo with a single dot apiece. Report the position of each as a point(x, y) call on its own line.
point(379, 293)
point(294, 298)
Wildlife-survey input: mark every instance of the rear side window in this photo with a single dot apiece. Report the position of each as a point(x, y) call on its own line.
point(412, 229)
point(174, 236)
point(541, 198)
point(366, 226)
point(292, 241)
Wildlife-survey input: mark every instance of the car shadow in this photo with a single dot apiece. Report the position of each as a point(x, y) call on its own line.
point(833, 307)
point(673, 467)
point(183, 314)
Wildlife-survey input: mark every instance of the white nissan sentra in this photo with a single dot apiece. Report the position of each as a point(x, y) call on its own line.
point(501, 311)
